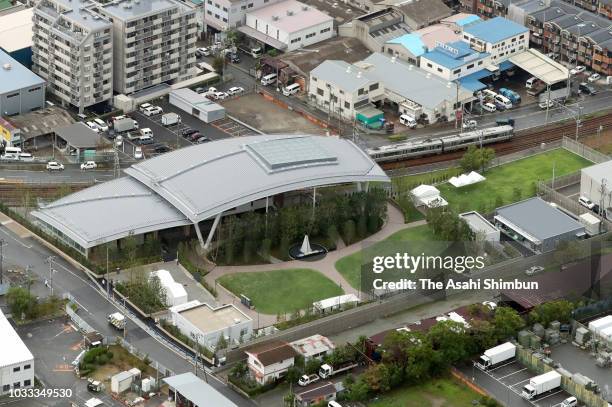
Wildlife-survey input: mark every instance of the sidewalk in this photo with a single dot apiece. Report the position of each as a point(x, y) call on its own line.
point(326, 265)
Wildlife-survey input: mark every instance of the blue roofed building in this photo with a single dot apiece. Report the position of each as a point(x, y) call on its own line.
point(21, 90)
point(408, 47)
point(454, 60)
point(500, 37)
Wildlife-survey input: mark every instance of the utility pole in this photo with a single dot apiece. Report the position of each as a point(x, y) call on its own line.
point(107, 274)
point(1, 258)
point(578, 122)
point(602, 192)
point(50, 260)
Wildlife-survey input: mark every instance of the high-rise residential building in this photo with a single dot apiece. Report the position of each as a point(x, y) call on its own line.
point(72, 50)
point(154, 41)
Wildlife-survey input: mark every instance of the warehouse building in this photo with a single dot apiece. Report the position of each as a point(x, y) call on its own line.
point(21, 91)
point(16, 35)
point(187, 389)
point(596, 185)
point(196, 105)
point(537, 225)
point(209, 325)
point(481, 226)
point(16, 361)
point(288, 25)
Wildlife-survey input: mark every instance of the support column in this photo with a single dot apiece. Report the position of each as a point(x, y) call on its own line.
point(367, 186)
point(314, 201)
point(359, 187)
point(212, 231)
point(199, 233)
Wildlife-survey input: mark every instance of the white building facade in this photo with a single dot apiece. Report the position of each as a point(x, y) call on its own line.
point(596, 185)
point(294, 24)
point(500, 37)
point(271, 362)
point(16, 361)
point(223, 15)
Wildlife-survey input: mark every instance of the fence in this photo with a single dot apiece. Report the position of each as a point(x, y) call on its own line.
point(584, 151)
point(535, 361)
point(81, 324)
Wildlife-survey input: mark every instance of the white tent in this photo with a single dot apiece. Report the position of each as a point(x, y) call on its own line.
point(427, 195)
point(466, 179)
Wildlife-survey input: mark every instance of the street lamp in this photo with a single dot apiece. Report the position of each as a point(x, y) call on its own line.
point(50, 260)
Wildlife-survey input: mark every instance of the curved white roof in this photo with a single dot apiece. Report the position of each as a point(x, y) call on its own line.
point(196, 183)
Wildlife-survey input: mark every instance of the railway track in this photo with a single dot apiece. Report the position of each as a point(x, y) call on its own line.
point(522, 140)
point(15, 193)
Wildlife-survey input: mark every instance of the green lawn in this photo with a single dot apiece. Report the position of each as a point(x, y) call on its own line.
point(501, 181)
point(350, 266)
point(5, 4)
point(281, 291)
point(445, 392)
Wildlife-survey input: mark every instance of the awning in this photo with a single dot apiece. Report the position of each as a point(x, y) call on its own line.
point(540, 66)
point(472, 81)
point(259, 36)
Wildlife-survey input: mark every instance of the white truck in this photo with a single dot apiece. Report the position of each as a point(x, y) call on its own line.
point(495, 356)
point(117, 320)
point(169, 119)
point(305, 380)
point(326, 370)
point(541, 384)
point(122, 124)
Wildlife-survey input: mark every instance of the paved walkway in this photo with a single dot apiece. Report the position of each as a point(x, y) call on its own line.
point(326, 265)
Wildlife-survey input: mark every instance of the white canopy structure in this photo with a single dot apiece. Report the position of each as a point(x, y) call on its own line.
point(427, 195)
point(466, 179)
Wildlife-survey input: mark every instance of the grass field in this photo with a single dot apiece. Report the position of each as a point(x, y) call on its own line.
point(281, 291)
point(501, 181)
point(350, 266)
point(444, 392)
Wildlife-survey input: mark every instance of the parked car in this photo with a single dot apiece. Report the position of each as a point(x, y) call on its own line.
point(153, 110)
point(578, 69)
point(194, 136)
point(470, 124)
point(235, 90)
point(200, 90)
point(102, 125)
point(586, 202)
point(55, 166)
point(142, 108)
point(594, 77)
point(547, 103)
point(220, 95)
point(534, 270)
point(119, 141)
point(93, 126)
point(586, 89)
point(408, 121)
point(89, 165)
point(203, 52)
point(202, 139)
point(144, 140)
point(569, 402)
point(138, 153)
point(188, 132)
point(489, 107)
point(161, 148)
point(232, 57)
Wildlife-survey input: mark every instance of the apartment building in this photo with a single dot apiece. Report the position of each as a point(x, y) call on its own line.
point(500, 37)
point(492, 8)
point(153, 42)
point(72, 50)
point(568, 33)
point(222, 15)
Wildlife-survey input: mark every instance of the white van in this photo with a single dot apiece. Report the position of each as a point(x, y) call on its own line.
point(503, 101)
point(268, 79)
point(333, 403)
point(408, 121)
point(146, 132)
point(488, 94)
point(101, 124)
point(12, 150)
point(291, 89)
point(26, 157)
point(531, 82)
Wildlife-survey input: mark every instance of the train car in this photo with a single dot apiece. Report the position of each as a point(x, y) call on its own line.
point(424, 147)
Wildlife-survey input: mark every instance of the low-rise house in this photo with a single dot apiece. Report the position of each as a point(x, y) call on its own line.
point(317, 393)
point(270, 361)
point(313, 347)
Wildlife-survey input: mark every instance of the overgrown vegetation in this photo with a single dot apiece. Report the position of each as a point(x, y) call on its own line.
point(148, 294)
point(198, 273)
point(477, 159)
point(129, 253)
point(25, 307)
point(93, 358)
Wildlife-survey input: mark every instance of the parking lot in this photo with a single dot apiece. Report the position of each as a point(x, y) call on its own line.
point(505, 383)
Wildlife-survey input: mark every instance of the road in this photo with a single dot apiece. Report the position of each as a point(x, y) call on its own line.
point(94, 306)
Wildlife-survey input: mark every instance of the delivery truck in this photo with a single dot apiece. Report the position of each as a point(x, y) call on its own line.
point(541, 384)
point(497, 355)
point(122, 124)
point(326, 370)
point(169, 119)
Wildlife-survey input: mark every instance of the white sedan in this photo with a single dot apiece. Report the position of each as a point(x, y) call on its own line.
point(220, 95)
point(236, 90)
point(89, 165)
point(578, 69)
point(55, 166)
point(594, 78)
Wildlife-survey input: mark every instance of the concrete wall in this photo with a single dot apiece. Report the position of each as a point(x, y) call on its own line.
point(22, 100)
point(9, 378)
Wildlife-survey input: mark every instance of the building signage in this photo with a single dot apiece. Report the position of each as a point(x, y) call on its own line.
point(447, 48)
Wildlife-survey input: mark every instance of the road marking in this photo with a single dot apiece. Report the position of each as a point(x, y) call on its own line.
point(522, 381)
point(552, 394)
point(14, 238)
point(518, 371)
point(504, 365)
point(63, 368)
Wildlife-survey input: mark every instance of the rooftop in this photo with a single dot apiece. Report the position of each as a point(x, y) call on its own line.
point(272, 352)
point(541, 66)
point(77, 12)
point(208, 319)
point(454, 54)
point(600, 171)
point(477, 222)
point(411, 82)
point(461, 19)
point(316, 392)
point(313, 345)
point(343, 75)
point(422, 12)
point(291, 16)
point(14, 76)
point(78, 135)
point(13, 349)
point(16, 30)
point(537, 218)
point(495, 30)
point(412, 42)
point(197, 390)
point(130, 9)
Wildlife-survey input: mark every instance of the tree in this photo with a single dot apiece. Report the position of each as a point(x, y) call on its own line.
point(21, 303)
point(507, 322)
point(293, 374)
point(450, 339)
point(349, 231)
point(476, 159)
point(312, 366)
point(560, 310)
point(218, 64)
point(221, 343)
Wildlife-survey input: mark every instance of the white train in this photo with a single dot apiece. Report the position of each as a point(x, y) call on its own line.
point(439, 145)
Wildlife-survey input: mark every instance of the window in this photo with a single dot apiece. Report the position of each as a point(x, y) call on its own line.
point(320, 92)
point(522, 37)
point(12, 95)
point(209, 12)
point(465, 37)
point(26, 367)
point(6, 388)
point(243, 8)
point(513, 39)
point(225, 9)
point(479, 63)
point(429, 65)
point(439, 69)
point(373, 86)
point(224, 20)
point(16, 385)
point(250, 5)
point(456, 71)
point(34, 89)
point(360, 92)
point(310, 35)
point(470, 66)
point(27, 382)
point(298, 39)
point(347, 105)
point(16, 369)
point(325, 30)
